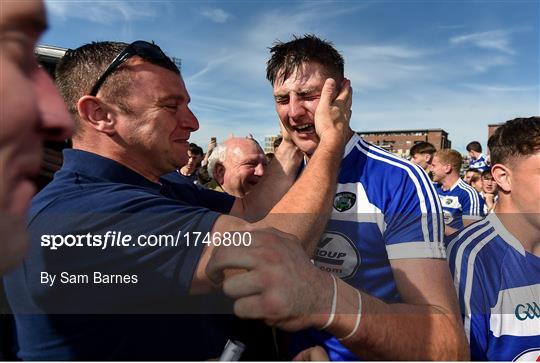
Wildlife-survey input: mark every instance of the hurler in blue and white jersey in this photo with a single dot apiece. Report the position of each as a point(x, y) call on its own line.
point(460, 202)
point(385, 208)
point(495, 262)
point(478, 160)
point(479, 163)
point(381, 263)
point(498, 284)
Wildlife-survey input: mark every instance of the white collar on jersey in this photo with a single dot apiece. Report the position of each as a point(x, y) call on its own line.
point(504, 233)
point(351, 144)
point(453, 186)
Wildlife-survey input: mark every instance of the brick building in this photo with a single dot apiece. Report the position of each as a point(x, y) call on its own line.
point(400, 141)
point(269, 143)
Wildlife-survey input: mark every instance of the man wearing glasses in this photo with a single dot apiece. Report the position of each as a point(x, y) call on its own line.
point(100, 230)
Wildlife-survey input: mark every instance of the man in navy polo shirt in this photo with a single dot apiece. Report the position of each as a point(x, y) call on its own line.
point(110, 236)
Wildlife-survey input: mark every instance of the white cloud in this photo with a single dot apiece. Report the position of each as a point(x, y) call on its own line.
point(501, 88)
point(308, 17)
point(216, 15)
point(378, 51)
point(380, 66)
point(496, 40)
point(102, 12)
point(484, 64)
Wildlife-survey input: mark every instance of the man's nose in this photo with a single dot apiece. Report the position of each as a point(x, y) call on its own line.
point(56, 124)
point(190, 121)
point(259, 170)
point(296, 107)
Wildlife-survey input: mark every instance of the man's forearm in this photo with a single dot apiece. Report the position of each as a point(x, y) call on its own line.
point(304, 210)
point(397, 331)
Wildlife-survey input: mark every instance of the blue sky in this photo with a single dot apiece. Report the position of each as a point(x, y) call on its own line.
point(455, 65)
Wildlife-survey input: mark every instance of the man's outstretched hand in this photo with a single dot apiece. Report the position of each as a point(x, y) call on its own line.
point(277, 283)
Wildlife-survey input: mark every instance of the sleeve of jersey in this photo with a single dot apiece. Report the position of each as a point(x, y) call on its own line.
point(413, 219)
point(472, 205)
point(469, 282)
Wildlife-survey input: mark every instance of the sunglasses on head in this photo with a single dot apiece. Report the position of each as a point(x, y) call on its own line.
point(141, 48)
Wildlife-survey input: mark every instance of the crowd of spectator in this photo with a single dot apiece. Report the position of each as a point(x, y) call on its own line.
point(348, 250)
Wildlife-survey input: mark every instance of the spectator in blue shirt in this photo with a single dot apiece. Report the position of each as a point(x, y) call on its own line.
point(133, 123)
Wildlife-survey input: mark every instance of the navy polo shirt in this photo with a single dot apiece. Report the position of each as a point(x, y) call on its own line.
point(143, 320)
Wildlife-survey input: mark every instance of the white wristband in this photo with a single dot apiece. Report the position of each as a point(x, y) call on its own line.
point(334, 303)
point(358, 317)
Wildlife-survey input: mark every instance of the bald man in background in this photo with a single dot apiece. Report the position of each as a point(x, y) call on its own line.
point(237, 165)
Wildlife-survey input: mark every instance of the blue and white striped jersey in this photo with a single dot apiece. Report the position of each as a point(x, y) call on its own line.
point(385, 208)
point(498, 284)
point(479, 164)
point(460, 202)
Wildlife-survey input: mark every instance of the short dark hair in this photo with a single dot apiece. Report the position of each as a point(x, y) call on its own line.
point(422, 147)
point(486, 172)
point(195, 149)
point(474, 146)
point(287, 57)
point(516, 138)
point(79, 69)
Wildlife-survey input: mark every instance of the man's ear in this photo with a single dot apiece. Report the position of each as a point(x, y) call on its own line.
point(502, 176)
point(448, 168)
point(91, 110)
point(219, 173)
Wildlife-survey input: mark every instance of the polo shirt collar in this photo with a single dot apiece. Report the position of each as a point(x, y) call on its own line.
point(100, 167)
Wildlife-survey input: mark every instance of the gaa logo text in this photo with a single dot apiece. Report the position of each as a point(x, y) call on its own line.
point(527, 311)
